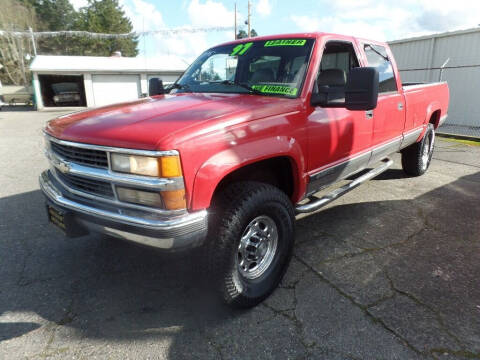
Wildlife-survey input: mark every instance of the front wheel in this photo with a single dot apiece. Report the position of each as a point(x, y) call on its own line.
point(251, 242)
point(417, 157)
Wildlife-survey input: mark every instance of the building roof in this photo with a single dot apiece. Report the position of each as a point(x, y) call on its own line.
point(107, 64)
point(436, 35)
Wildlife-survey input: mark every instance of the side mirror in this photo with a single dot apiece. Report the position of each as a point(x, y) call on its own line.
point(361, 91)
point(155, 87)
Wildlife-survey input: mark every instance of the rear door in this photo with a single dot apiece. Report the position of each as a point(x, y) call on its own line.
point(338, 139)
point(389, 115)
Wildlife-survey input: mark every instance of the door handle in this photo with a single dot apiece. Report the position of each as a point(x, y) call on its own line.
point(369, 114)
point(400, 106)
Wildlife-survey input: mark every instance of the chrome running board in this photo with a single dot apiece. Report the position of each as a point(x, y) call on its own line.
point(317, 203)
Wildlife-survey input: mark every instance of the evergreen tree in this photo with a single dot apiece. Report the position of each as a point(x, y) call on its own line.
point(106, 16)
point(99, 16)
point(242, 34)
point(55, 15)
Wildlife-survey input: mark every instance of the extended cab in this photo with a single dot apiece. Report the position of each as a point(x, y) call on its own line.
point(238, 145)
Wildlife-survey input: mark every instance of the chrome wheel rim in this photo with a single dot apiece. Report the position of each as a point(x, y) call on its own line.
point(428, 149)
point(257, 248)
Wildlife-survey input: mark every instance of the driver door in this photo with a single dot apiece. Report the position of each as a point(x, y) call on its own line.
point(339, 140)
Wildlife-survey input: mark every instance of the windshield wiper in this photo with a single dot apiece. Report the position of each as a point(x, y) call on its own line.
point(179, 86)
point(242, 85)
point(378, 52)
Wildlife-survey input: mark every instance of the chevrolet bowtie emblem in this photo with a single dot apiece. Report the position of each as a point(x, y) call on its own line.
point(64, 167)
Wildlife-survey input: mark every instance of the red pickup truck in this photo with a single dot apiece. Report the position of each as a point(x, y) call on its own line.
point(225, 158)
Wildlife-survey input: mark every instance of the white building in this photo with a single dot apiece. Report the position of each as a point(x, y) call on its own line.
point(421, 59)
point(91, 81)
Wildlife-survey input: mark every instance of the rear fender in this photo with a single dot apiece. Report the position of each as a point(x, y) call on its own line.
point(225, 162)
point(434, 106)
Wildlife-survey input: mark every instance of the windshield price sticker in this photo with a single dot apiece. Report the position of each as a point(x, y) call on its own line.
point(276, 89)
point(241, 49)
point(286, 42)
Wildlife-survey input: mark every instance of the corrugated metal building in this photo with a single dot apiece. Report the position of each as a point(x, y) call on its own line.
point(421, 59)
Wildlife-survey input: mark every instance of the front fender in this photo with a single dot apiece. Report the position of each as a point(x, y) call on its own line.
point(225, 162)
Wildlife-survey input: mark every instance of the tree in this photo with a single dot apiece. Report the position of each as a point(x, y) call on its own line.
point(99, 16)
point(242, 34)
point(15, 15)
point(106, 16)
point(55, 15)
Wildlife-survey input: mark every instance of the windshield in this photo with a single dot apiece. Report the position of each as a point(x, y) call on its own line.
point(270, 68)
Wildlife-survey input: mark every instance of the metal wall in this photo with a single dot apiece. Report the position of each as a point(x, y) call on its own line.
point(420, 59)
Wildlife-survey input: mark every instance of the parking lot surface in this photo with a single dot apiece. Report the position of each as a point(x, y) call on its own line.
point(390, 271)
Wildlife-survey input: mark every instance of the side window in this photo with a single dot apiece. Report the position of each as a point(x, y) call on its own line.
point(338, 59)
point(377, 57)
point(339, 55)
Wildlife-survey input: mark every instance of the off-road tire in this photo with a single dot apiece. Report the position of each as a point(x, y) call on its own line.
point(415, 160)
point(232, 213)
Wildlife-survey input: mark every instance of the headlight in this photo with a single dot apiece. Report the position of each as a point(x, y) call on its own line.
point(141, 165)
point(165, 166)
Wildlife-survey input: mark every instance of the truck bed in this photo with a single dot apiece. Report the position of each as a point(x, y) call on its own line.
point(424, 96)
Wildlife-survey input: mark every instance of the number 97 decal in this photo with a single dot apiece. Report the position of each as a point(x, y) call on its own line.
point(241, 49)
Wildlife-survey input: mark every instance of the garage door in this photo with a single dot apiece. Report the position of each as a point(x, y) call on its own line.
point(110, 89)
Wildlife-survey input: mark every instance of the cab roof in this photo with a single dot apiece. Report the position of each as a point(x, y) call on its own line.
point(307, 35)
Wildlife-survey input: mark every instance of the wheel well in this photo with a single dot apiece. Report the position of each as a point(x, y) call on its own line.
point(435, 119)
point(275, 171)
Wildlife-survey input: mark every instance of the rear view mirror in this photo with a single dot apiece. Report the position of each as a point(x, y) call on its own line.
point(155, 87)
point(361, 90)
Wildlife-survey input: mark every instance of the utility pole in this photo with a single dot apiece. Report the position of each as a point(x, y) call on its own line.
point(249, 27)
point(22, 62)
point(33, 41)
point(235, 16)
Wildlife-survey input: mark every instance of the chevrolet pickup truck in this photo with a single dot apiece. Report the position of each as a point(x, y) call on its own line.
point(242, 141)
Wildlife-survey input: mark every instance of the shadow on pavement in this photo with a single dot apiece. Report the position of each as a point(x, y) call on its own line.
point(105, 289)
point(9, 108)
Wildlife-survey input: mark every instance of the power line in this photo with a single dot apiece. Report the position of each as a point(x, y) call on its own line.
point(72, 33)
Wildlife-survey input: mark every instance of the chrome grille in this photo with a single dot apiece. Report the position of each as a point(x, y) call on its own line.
point(91, 186)
point(78, 155)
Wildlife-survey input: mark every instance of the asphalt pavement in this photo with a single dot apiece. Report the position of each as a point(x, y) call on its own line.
point(389, 271)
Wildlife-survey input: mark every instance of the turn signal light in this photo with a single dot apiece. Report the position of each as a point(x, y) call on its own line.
point(170, 166)
point(174, 199)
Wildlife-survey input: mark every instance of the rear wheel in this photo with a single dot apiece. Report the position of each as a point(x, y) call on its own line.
point(417, 157)
point(250, 242)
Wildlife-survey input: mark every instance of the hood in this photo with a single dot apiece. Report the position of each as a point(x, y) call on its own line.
point(153, 123)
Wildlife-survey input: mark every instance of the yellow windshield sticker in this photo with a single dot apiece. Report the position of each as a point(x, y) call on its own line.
point(241, 49)
point(286, 42)
point(276, 89)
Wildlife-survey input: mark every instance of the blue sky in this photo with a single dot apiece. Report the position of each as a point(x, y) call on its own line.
point(382, 20)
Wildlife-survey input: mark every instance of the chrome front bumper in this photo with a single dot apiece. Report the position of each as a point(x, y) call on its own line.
point(174, 232)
